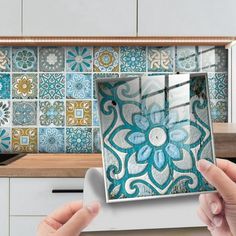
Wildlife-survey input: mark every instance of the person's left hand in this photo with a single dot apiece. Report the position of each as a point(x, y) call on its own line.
point(69, 220)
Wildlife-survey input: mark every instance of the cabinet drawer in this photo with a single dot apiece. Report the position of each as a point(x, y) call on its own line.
point(40, 196)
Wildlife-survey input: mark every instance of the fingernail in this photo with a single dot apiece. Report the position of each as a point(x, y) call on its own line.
point(214, 208)
point(217, 220)
point(94, 208)
point(203, 165)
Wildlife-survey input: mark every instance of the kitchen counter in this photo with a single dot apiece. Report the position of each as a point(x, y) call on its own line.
point(76, 165)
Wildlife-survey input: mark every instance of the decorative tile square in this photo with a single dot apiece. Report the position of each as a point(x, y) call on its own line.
point(51, 140)
point(95, 114)
point(5, 87)
point(79, 86)
point(5, 113)
point(51, 59)
point(214, 59)
point(5, 59)
point(24, 113)
point(133, 59)
point(51, 86)
point(161, 59)
point(106, 59)
point(24, 59)
point(187, 59)
point(218, 85)
point(100, 76)
point(150, 146)
point(79, 59)
point(219, 110)
point(79, 113)
point(96, 140)
point(52, 113)
point(24, 86)
point(24, 139)
point(5, 140)
point(79, 140)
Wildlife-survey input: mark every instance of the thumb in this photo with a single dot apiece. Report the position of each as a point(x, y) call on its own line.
point(79, 220)
point(216, 177)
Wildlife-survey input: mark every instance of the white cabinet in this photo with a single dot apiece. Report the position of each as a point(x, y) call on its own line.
point(4, 206)
point(10, 24)
point(186, 18)
point(79, 18)
point(24, 225)
point(40, 196)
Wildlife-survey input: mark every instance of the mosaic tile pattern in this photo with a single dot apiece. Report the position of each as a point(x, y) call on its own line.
point(54, 88)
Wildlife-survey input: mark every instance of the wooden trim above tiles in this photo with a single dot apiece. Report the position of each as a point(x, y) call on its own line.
point(114, 41)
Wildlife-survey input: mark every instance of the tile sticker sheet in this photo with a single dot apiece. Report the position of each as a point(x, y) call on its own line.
point(154, 129)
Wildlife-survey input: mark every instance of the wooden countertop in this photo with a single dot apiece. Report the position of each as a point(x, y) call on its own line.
point(76, 165)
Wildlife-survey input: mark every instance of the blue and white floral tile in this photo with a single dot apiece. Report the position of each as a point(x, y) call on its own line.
point(213, 59)
point(161, 59)
point(24, 59)
point(5, 86)
point(149, 148)
point(187, 59)
point(95, 114)
point(24, 140)
point(100, 76)
point(5, 140)
point(52, 113)
point(24, 113)
point(96, 140)
point(106, 59)
point(79, 86)
point(51, 59)
point(79, 140)
point(218, 85)
point(51, 140)
point(219, 110)
point(51, 86)
point(24, 86)
point(79, 59)
point(132, 59)
point(5, 113)
point(5, 59)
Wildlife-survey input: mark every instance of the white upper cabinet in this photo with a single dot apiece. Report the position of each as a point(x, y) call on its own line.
point(79, 18)
point(186, 18)
point(10, 24)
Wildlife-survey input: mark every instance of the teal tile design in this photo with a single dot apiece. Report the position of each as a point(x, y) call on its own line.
point(79, 59)
point(54, 87)
point(24, 59)
point(5, 59)
point(51, 140)
point(161, 59)
point(51, 59)
point(5, 86)
point(133, 59)
point(5, 140)
point(51, 86)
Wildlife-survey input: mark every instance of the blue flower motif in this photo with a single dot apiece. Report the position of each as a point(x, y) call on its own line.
point(79, 59)
point(5, 86)
point(79, 86)
point(4, 140)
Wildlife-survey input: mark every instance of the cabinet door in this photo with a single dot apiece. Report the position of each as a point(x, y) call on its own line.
point(35, 196)
point(24, 226)
point(10, 23)
point(79, 18)
point(4, 206)
point(186, 18)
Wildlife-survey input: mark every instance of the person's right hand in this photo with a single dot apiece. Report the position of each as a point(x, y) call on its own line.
point(218, 210)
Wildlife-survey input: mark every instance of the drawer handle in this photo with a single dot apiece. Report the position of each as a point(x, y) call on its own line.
point(67, 191)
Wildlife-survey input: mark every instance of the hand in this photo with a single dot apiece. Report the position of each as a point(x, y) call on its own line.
point(69, 220)
point(218, 210)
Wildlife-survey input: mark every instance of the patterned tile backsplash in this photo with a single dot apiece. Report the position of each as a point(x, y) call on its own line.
point(47, 98)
